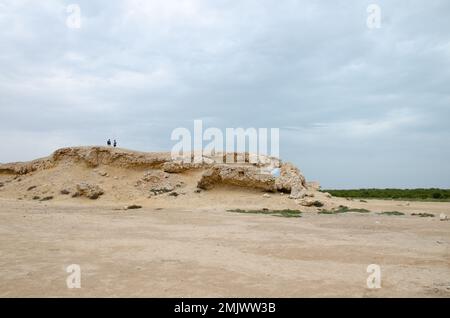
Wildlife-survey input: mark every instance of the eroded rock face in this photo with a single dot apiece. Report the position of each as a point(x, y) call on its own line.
point(87, 190)
point(291, 181)
point(163, 174)
point(95, 156)
point(157, 182)
point(174, 167)
point(245, 176)
point(91, 157)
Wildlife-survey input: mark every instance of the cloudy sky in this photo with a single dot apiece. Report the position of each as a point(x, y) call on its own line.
point(356, 106)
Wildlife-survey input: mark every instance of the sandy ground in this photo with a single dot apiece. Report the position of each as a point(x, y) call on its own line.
point(200, 251)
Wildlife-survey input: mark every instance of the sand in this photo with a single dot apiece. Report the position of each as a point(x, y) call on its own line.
point(167, 251)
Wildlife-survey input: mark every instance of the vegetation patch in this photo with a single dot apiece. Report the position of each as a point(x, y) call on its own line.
point(287, 213)
point(433, 194)
point(391, 213)
point(343, 209)
point(423, 215)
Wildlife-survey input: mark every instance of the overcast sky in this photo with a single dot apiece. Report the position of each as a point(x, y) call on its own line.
point(356, 107)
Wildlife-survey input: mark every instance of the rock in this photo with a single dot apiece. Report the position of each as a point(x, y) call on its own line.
point(198, 190)
point(161, 190)
point(158, 182)
point(291, 181)
point(266, 195)
point(301, 194)
point(132, 207)
point(174, 167)
point(174, 194)
point(36, 197)
point(91, 157)
point(268, 173)
point(443, 217)
point(209, 179)
point(46, 198)
point(310, 203)
point(2, 184)
point(31, 188)
point(238, 175)
point(64, 192)
point(297, 194)
point(90, 191)
point(313, 185)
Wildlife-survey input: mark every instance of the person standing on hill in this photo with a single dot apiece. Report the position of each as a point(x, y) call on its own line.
point(115, 143)
point(108, 142)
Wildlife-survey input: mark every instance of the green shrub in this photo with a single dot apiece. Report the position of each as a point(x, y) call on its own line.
point(288, 213)
point(423, 215)
point(343, 209)
point(392, 213)
point(409, 194)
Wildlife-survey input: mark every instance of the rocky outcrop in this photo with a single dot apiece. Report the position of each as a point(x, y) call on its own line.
point(179, 166)
point(116, 157)
point(91, 157)
point(245, 176)
point(155, 182)
point(291, 181)
point(90, 191)
point(17, 168)
point(162, 174)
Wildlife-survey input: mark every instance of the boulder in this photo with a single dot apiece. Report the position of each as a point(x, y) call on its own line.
point(158, 182)
point(64, 192)
point(310, 203)
point(291, 181)
point(90, 191)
